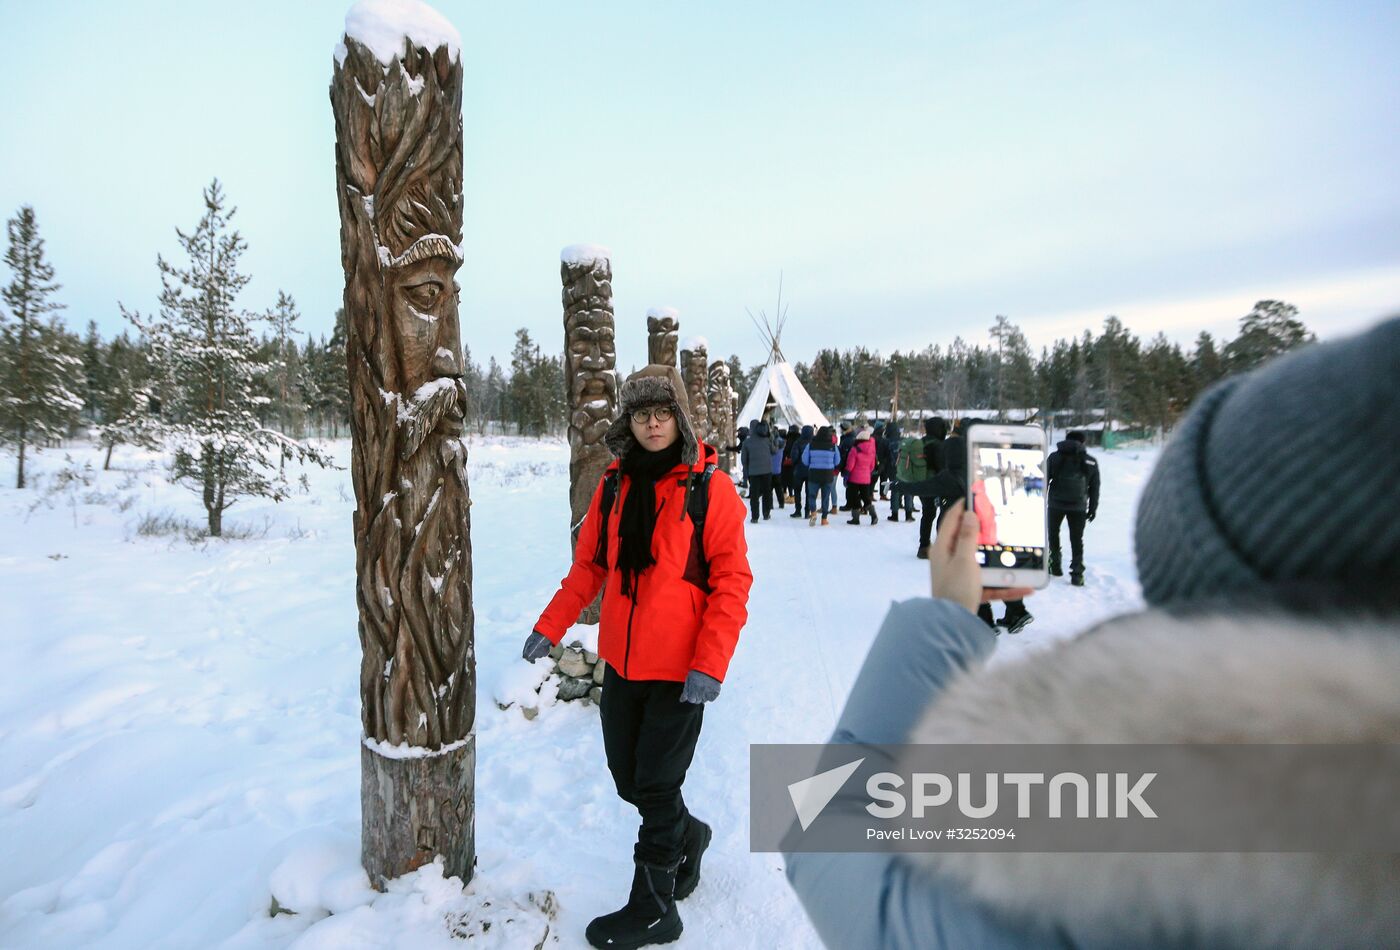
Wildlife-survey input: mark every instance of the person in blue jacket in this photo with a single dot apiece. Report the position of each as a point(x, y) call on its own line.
point(1273, 618)
point(822, 460)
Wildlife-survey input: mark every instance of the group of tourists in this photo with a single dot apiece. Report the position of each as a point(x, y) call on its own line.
point(918, 474)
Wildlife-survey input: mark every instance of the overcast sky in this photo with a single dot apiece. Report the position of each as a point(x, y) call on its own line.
point(912, 169)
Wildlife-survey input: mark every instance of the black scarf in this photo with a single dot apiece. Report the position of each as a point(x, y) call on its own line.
point(642, 469)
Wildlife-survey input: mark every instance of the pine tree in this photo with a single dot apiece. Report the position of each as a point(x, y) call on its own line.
point(126, 404)
point(40, 374)
point(474, 381)
point(1114, 359)
point(206, 354)
point(1268, 330)
point(736, 380)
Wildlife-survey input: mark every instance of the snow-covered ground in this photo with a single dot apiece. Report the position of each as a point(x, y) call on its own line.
point(180, 731)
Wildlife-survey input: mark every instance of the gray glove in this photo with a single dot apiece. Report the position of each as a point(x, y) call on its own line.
point(536, 646)
point(699, 688)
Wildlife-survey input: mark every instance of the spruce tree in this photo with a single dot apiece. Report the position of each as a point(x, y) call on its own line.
point(495, 397)
point(94, 373)
point(284, 376)
point(1207, 366)
point(206, 353)
point(41, 375)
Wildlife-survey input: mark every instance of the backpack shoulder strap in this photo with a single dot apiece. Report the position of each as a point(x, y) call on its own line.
point(699, 503)
point(697, 565)
point(605, 504)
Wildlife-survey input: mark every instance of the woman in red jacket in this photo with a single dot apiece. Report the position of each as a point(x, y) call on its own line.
point(674, 601)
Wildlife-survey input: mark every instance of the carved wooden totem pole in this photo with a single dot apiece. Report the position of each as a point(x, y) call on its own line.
point(663, 332)
point(398, 122)
point(695, 362)
point(590, 358)
point(721, 403)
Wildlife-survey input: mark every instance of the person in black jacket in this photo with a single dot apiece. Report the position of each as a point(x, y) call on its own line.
point(882, 461)
point(1072, 485)
point(847, 439)
point(932, 494)
point(799, 470)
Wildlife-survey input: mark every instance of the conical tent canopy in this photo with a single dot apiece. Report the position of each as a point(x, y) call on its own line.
point(779, 397)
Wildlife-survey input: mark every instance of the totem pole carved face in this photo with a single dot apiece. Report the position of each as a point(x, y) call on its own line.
point(592, 354)
point(422, 303)
point(663, 336)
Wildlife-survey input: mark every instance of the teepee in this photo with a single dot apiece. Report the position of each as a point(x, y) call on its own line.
point(778, 397)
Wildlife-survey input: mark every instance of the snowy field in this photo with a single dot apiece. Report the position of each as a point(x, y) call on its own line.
point(179, 719)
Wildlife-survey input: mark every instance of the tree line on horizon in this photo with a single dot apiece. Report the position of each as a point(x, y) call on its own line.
point(1113, 376)
point(149, 385)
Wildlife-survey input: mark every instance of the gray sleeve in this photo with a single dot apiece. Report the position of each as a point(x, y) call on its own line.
point(880, 900)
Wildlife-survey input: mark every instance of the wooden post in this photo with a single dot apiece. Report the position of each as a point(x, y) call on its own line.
point(663, 333)
point(398, 122)
point(590, 361)
point(695, 362)
point(722, 403)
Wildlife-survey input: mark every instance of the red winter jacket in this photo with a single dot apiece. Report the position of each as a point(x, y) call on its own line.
point(860, 462)
point(674, 625)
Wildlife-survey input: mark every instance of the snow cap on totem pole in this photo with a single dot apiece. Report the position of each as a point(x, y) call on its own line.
point(582, 254)
point(383, 26)
point(403, 55)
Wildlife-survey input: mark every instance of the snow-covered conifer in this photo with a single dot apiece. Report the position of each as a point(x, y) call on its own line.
point(206, 357)
point(41, 372)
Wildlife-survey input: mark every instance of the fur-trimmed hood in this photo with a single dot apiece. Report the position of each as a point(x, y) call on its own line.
point(653, 385)
point(1155, 678)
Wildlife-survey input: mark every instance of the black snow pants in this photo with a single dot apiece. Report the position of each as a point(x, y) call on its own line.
point(760, 488)
point(928, 512)
point(649, 736)
point(1077, 520)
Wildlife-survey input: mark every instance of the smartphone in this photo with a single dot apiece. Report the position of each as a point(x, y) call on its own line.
point(1006, 490)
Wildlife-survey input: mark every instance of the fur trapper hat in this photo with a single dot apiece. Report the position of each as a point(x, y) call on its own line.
point(653, 385)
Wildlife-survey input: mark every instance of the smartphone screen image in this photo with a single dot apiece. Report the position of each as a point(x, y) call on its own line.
point(1006, 474)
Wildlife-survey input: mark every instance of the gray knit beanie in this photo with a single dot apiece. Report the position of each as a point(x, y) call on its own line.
point(1284, 484)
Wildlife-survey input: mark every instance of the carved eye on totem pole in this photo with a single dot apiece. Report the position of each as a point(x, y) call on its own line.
point(422, 298)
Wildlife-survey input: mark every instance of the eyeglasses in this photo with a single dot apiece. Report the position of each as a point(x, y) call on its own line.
point(662, 413)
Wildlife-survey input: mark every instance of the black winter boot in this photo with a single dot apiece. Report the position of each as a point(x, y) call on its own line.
point(1076, 580)
point(697, 839)
point(1055, 567)
point(648, 917)
point(922, 553)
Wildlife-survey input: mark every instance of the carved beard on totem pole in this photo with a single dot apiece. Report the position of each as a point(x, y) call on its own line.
point(399, 178)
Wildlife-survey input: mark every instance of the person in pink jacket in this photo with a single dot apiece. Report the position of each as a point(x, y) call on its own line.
point(860, 476)
point(986, 514)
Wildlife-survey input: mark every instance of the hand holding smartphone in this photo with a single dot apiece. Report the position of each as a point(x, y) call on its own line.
point(1006, 491)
